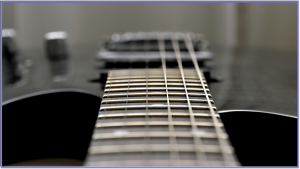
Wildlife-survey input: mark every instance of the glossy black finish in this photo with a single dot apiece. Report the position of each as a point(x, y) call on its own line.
point(254, 79)
point(52, 125)
point(262, 139)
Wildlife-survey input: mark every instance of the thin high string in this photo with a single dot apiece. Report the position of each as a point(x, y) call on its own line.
point(201, 156)
point(191, 50)
point(146, 138)
point(172, 136)
point(126, 104)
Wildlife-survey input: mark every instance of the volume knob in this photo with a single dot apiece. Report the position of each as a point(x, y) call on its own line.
point(56, 51)
point(11, 71)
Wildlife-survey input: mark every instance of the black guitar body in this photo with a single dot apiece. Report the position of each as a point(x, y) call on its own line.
point(50, 124)
point(262, 138)
point(66, 119)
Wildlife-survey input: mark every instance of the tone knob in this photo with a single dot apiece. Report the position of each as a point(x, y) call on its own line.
point(11, 71)
point(57, 54)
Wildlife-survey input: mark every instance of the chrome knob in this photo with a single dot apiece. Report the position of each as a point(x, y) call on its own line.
point(57, 54)
point(11, 72)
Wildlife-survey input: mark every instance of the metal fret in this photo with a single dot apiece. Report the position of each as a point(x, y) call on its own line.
point(154, 107)
point(156, 100)
point(114, 115)
point(157, 85)
point(151, 77)
point(157, 134)
point(155, 163)
point(153, 88)
point(156, 123)
point(158, 148)
point(152, 94)
point(133, 81)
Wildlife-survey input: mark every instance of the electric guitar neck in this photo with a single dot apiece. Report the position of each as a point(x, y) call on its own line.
point(159, 116)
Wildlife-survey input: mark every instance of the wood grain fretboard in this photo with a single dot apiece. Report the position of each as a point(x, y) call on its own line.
point(146, 119)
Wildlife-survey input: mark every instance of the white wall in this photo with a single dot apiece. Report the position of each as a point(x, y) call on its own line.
point(268, 26)
point(271, 26)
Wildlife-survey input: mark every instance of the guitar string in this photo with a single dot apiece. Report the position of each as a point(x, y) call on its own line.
point(126, 105)
point(200, 154)
point(189, 45)
point(146, 138)
point(172, 137)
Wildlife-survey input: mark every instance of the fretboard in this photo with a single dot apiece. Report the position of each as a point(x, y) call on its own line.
point(148, 119)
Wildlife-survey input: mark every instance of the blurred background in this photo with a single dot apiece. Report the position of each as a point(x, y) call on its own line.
point(271, 26)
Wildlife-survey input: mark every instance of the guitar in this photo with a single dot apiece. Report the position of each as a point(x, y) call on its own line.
point(158, 111)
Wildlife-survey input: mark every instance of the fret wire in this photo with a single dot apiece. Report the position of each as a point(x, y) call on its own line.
point(155, 72)
point(139, 100)
point(155, 88)
point(155, 123)
point(133, 81)
point(172, 137)
point(153, 107)
point(188, 43)
point(157, 84)
point(155, 114)
point(155, 147)
point(154, 94)
point(155, 162)
point(157, 134)
point(153, 77)
point(200, 155)
point(152, 114)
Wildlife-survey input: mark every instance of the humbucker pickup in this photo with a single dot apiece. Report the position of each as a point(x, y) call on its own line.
point(141, 50)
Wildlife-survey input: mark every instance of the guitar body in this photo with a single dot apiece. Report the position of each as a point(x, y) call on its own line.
point(262, 138)
point(57, 124)
point(52, 123)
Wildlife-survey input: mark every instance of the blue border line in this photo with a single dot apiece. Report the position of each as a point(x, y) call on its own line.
point(298, 74)
point(161, 2)
point(150, 167)
point(1, 83)
point(150, 2)
point(146, 167)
